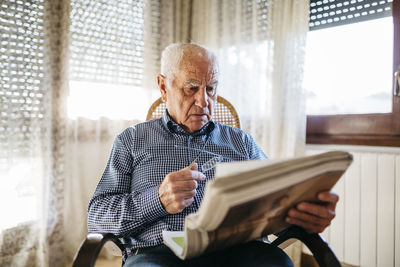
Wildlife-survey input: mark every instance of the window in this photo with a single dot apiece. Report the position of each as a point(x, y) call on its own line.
point(368, 112)
point(113, 59)
point(345, 77)
point(23, 108)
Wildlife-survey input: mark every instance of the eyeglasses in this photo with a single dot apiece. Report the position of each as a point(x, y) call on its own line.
point(191, 90)
point(191, 87)
point(209, 164)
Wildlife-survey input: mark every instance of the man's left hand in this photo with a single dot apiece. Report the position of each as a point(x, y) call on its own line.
point(314, 218)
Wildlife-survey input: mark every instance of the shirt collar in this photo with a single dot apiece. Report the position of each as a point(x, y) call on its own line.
point(173, 127)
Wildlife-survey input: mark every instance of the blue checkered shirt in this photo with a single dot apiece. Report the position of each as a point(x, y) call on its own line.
point(126, 201)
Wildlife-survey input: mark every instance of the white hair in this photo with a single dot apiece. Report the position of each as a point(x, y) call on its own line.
point(172, 55)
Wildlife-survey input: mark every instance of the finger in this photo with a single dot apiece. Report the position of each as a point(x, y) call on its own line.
point(189, 194)
point(181, 186)
point(186, 174)
point(306, 217)
point(198, 175)
point(316, 209)
point(187, 202)
point(330, 198)
point(309, 227)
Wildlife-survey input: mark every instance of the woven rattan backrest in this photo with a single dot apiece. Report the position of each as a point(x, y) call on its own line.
point(224, 112)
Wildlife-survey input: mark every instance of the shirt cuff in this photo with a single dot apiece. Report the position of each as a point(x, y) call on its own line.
point(152, 208)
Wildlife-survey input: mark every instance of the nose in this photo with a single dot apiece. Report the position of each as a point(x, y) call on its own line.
point(201, 97)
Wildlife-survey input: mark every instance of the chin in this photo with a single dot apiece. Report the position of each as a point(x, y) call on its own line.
point(195, 126)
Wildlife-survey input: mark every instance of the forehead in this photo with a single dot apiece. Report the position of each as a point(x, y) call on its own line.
point(198, 68)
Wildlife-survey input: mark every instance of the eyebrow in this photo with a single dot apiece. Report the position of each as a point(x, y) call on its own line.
point(197, 83)
point(193, 82)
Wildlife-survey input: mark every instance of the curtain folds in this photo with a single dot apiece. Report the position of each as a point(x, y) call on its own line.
point(115, 58)
point(260, 46)
point(99, 56)
point(53, 224)
point(33, 126)
point(176, 21)
point(89, 145)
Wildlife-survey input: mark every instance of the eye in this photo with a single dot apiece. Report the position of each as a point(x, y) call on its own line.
point(190, 90)
point(210, 90)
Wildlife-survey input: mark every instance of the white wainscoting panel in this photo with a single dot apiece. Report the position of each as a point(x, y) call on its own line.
point(337, 226)
point(397, 215)
point(385, 224)
point(366, 230)
point(369, 202)
point(352, 210)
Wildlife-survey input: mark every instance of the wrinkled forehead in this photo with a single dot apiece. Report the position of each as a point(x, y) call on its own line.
point(199, 67)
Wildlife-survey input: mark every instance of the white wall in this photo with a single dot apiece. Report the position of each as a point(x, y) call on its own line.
point(366, 230)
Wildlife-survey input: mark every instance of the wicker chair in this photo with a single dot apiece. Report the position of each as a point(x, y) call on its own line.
point(224, 113)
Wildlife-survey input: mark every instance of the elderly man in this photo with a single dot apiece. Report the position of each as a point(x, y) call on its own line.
point(150, 185)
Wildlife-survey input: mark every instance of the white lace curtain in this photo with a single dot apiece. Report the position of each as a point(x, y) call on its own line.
point(107, 54)
point(260, 46)
point(32, 132)
point(115, 57)
point(50, 163)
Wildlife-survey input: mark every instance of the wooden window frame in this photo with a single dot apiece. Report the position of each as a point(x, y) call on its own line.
point(362, 129)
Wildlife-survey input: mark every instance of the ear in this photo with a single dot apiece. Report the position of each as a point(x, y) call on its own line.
point(161, 81)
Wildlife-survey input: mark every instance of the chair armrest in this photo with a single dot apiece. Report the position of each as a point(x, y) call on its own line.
point(91, 247)
point(323, 254)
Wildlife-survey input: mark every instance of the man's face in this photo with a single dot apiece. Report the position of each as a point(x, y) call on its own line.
point(191, 93)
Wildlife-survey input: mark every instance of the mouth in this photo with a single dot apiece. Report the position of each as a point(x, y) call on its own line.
point(203, 118)
point(199, 115)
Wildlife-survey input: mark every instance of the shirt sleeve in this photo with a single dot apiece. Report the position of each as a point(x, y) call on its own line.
point(253, 150)
point(115, 207)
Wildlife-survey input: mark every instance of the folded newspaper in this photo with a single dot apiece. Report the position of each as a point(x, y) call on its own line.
point(250, 199)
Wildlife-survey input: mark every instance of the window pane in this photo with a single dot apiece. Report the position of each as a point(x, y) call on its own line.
point(113, 58)
point(24, 106)
point(107, 41)
point(20, 186)
point(94, 100)
point(348, 69)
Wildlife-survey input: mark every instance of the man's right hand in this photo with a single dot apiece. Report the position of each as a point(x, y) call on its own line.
point(178, 189)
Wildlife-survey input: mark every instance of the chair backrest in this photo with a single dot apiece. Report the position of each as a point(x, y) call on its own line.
point(224, 112)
